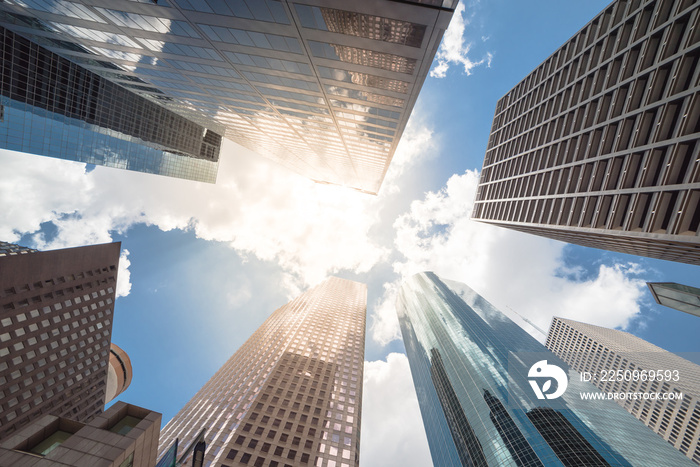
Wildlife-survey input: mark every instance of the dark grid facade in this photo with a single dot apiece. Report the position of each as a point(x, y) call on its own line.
point(10, 249)
point(323, 87)
point(483, 362)
point(55, 328)
point(595, 349)
point(466, 442)
point(53, 107)
point(599, 145)
point(292, 394)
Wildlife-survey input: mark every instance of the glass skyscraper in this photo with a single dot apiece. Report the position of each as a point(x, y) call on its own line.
point(323, 87)
point(473, 370)
point(53, 107)
point(292, 394)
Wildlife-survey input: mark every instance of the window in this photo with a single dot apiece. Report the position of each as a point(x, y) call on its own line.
point(128, 462)
point(125, 425)
point(50, 443)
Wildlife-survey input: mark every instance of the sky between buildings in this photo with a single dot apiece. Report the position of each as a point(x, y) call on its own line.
point(204, 265)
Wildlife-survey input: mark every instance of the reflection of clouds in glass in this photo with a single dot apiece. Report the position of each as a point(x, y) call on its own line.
point(59, 7)
point(117, 54)
point(109, 158)
point(94, 35)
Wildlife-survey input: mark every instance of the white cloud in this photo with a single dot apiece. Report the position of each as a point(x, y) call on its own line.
point(513, 270)
point(124, 275)
point(454, 49)
point(392, 427)
point(256, 206)
point(417, 142)
point(385, 322)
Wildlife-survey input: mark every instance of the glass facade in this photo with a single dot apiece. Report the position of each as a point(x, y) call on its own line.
point(52, 107)
point(471, 367)
point(681, 297)
point(292, 394)
point(324, 88)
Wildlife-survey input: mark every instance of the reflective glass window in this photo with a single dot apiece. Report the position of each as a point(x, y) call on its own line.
point(361, 25)
point(184, 87)
point(180, 49)
point(118, 54)
point(236, 95)
point(364, 57)
point(363, 79)
point(251, 38)
point(61, 7)
point(269, 63)
point(291, 95)
point(364, 109)
point(261, 10)
point(94, 35)
point(281, 81)
point(221, 83)
point(159, 73)
point(296, 106)
point(365, 96)
point(208, 69)
point(151, 2)
point(148, 23)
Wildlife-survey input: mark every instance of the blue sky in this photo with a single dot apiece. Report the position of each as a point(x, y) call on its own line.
point(207, 264)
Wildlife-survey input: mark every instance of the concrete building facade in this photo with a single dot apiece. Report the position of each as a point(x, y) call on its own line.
point(123, 436)
point(292, 394)
point(597, 351)
point(55, 330)
point(598, 145)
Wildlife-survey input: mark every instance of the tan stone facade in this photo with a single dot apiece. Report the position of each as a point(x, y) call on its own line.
point(55, 330)
point(292, 394)
point(123, 436)
point(598, 350)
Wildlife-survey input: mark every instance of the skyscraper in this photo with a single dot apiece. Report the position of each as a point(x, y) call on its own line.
point(598, 145)
point(595, 350)
point(473, 369)
point(324, 88)
point(678, 296)
point(292, 393)
point(52, 107)
point(55, 329)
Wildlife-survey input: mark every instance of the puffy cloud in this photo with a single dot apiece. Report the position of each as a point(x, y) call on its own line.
point(124, 275)
point(454, 49)
point(392, 428)
point(515, 271)
point(256, 206)
point(385, 322)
